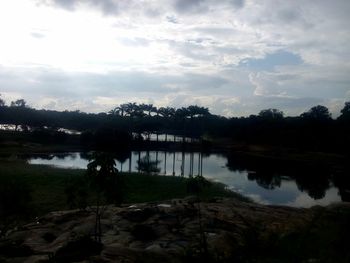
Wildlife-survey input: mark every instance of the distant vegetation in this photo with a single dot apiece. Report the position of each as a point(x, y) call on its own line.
point(314, 129)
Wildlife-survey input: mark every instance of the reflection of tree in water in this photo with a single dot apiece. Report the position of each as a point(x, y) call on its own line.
point(121, 156)
point(315, 185)
point(148, 166)
point(314, 182)
point(45, 156)
point(265, 179)
point(342, 181)
point(312, 179)
point(86, 155)
point(62, 156)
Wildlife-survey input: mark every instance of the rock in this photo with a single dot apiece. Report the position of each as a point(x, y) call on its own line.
point(155, 248)
point(225, 230)
point(139, 215)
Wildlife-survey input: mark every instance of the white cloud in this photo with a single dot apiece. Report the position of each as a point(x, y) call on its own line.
point(175, 52)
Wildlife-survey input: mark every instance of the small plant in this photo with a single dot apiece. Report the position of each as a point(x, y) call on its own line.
point(195, 185)
point(105, 184)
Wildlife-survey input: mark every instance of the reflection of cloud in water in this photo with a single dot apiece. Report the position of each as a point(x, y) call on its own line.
point(258, 199)
point(70, 161)
point(304, 200)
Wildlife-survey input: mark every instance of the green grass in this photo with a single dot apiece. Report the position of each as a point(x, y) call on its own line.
point(38, 189)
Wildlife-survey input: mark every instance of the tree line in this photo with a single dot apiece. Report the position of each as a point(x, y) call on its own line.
point(314, 129)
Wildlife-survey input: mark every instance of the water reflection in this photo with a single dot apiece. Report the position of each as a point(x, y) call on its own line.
point(265, 182)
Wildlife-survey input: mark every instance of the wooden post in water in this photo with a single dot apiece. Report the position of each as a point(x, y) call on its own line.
point(147, 154)
point(139, 162)
point(183, 163)
point(192, 171)
point(174, 164)
point(130, 161)
point(191, 165)
point(164, 162)
point(199, 163)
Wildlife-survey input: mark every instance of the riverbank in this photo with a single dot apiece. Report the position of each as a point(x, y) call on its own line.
point(28, 191)
point(185, 230)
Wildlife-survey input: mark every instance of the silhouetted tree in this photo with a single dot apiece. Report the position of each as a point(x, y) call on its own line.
point(196, 111)
point(2, 102)
point(271, 114)
point(166, 112)
point(147, 109)
point(19, 103)
point(318, 112)
point(345, 112)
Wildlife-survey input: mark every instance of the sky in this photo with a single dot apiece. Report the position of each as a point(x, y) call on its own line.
point(235, 57)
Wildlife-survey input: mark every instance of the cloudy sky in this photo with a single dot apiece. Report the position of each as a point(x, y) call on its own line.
point(234, 56)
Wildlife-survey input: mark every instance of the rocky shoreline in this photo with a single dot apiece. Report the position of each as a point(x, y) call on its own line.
point(180, 230)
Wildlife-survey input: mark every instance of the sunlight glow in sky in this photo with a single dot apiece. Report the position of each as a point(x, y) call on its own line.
point(234, 56)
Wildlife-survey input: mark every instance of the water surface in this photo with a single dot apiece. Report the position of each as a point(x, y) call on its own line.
point(267, 187)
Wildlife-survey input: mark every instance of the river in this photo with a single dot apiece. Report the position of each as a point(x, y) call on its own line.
point(266, 187)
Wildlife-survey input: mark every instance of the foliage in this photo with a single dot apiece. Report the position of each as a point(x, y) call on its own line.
point(318, 112)
point(148, 166)
point(312, 130)
point(197, 184)
point(2, 102)
point(104, 178)
point(19, 103)
point(345, 112)
point(271, 114)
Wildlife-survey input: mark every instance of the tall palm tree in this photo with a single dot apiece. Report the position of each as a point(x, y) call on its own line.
point(166, 112)
point(148, 108)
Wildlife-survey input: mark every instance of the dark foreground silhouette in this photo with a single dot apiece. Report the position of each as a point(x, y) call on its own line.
point(186, 230)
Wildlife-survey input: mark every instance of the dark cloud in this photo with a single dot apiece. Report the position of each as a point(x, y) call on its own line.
point(58, 83)
point(270, 61)
point(66, 4)
point(237, 3)
point(184, 6)
point(108, 7)
point(172, 19)
point(201, 6)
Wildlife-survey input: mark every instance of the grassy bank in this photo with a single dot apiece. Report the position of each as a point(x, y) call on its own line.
point(28, 190)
